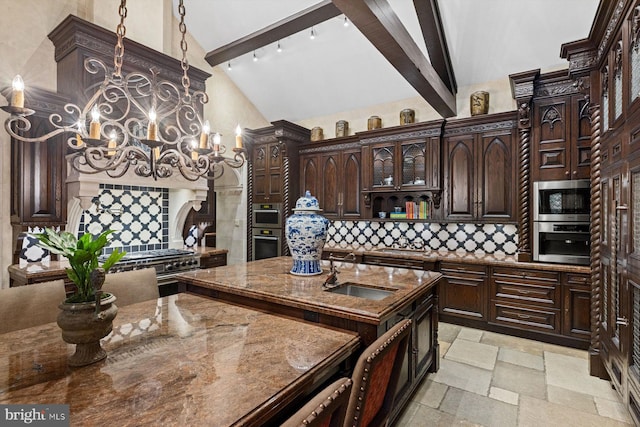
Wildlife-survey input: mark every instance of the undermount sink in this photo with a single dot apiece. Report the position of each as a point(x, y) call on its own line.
point(361, 291)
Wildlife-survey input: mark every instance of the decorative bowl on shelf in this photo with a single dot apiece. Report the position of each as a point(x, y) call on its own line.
point(418, 182)
point(388, 180)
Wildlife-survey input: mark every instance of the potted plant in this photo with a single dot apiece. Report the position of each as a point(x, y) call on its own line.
point(87, 315)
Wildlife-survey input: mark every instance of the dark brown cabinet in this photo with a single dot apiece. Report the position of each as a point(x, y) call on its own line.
point(267, 172)
point(401, 164)
point(464, 292)
point(561, 130)
point(576, 294)
point(332, 173)
point(479, 168)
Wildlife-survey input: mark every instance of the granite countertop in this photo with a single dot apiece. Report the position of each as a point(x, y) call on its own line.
point(269, 280)
point(176, 361)
point(462, 257)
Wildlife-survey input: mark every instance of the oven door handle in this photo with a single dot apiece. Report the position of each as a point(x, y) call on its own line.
point(266, 211)
point(265, 238)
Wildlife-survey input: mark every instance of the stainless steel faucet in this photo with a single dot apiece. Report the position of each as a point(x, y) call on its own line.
point(332, 279)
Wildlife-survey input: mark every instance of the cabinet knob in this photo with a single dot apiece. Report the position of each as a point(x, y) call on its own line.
point(575, 172)
point(622, 321)
point(566, 173)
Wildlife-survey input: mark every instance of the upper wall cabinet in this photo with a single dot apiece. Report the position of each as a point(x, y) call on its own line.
point(331, 171)
point(479, 168)
point(561, 145)
point(273, 163)
point(402, 161)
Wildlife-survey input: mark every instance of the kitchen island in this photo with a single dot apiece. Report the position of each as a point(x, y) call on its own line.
point(268, 286)
point(176, 361)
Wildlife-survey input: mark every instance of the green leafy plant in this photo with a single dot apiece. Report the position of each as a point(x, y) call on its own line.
point(83, 254)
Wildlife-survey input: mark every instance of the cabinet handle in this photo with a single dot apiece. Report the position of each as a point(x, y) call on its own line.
point(622, 321)
point(523, 292)
point(622, 208)
point(524, 316)
point(414, 350)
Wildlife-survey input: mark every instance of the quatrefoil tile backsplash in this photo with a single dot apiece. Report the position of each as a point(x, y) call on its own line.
point(140, 216)
point(475, 238)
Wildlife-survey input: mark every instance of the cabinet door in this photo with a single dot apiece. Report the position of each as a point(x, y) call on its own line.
point(460, 177)
point(577, 306)
point(551, 136)
point(496, 178)
point(310, 176)
point(423, 343)
point(412, 164)
point(38, 191)
point(580, 142)
point(383, 166)
point(259, 164)
point(351, 184)
point(330, 172)
point(464, 293)
point(274, 192)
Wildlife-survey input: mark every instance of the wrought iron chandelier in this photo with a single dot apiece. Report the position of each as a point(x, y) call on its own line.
point(136, 121)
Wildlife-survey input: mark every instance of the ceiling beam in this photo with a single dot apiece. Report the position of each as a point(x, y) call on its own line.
point(377, 21)
point(434, 37)
point(302, 20)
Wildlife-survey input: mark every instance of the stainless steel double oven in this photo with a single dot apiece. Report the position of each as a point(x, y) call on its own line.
point(561, 221)
point(266, 230)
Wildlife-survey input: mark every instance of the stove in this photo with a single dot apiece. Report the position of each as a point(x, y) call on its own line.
point(167, 262)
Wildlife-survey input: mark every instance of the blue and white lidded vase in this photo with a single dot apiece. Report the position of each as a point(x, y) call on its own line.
point(306, 232)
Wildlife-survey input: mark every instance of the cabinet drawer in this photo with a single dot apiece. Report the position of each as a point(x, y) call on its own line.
point(462, 270)
point(578, 279)
point(527, 276)
point(526, 317)
point(394, 262)
point(530, 293)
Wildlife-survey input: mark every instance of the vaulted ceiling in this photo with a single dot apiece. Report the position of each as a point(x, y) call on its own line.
point(380, 55)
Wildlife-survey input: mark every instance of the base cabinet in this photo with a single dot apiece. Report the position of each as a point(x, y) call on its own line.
point(464, 293)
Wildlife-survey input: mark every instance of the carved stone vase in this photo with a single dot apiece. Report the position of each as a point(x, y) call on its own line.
point(306, 232)
point(85, 326)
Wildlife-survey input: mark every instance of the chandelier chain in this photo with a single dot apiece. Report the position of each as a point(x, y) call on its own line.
point(121, 31)
point(183, 46)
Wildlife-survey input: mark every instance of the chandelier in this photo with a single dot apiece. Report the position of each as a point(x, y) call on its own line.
point(135, 121)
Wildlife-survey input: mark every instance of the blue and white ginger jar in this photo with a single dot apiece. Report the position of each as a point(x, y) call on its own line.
point(306, 232)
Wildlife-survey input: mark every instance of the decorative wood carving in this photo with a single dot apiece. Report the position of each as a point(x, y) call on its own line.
point(551, 116)
point(596, 216)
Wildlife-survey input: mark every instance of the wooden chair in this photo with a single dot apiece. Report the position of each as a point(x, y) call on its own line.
point(375, 378)
point(30, 305)
point(327, 408)
point(131, 287)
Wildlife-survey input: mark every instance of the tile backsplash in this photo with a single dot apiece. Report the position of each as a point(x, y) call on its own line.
point(140, 216)
point(476, 238)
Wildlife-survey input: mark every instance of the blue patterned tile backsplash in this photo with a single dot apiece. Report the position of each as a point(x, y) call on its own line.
point(475, 238)
point(140, 216)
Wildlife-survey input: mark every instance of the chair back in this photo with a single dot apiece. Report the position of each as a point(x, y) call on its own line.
point(327, 408)
point(133, 286)
point(30, 305)
point(375, 377)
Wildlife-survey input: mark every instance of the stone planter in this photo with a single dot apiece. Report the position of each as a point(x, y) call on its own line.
point(306, 232)
point(85, 326)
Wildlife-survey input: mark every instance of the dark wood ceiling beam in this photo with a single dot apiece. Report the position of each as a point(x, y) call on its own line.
point(295, 23)
point(434, 37)
point(377, 21)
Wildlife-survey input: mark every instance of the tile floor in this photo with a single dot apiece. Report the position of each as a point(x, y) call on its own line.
point(489, 379)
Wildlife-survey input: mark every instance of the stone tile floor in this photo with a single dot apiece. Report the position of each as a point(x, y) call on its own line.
point(489, 379)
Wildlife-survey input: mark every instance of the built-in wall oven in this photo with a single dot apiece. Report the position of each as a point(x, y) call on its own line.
point(267, 243)
point(266, 230)
point(561, 221)
point(267, 215)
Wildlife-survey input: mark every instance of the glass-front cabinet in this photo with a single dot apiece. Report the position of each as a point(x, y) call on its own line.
point(401, 164)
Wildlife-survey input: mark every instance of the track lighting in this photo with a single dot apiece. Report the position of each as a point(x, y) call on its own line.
point(313, 34)
point(346, 22)
point(279, 49)
point(255, 58)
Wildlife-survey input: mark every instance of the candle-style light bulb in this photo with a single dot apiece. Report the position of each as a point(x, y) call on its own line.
point(112, 144)
point(216, 143)
point(238, 137)
point(94, 128)
point(194, 153)
point(80, 132)
point(152, 129)
point(17, 94)
point(204, 136)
